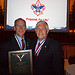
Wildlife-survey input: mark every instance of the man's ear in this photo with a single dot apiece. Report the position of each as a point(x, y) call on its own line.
point(47, 31)
point(35, 30)
point(14, 28)
point(26, 29)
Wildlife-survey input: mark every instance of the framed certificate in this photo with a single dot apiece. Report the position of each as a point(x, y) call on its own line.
point(20, 62)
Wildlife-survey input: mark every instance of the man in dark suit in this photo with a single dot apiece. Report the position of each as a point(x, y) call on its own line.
point(14, 44)
point(48, 57)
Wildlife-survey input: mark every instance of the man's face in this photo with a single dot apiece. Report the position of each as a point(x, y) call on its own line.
point(20, 28)
point(41, 31)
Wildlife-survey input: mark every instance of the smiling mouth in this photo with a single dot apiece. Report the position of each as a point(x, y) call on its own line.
point(21, 31)
point(40, 34)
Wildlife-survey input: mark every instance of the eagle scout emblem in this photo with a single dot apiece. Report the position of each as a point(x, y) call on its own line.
point(38, 8)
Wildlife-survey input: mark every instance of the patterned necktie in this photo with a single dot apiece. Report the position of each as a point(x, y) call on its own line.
point(23, 44)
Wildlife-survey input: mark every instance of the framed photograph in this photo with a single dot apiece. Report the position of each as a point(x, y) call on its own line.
point(20, 62)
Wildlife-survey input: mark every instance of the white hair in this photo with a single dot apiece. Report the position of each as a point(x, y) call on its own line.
point(47, 27)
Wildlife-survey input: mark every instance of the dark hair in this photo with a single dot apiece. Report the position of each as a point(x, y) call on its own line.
point(18, 20)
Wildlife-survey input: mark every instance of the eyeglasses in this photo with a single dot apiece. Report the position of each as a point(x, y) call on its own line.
point(20, 25)
point(41, 28)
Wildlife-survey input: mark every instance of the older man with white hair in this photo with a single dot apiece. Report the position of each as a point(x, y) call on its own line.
point(48, 56)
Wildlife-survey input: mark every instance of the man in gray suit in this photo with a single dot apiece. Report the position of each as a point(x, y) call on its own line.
point(48, 57)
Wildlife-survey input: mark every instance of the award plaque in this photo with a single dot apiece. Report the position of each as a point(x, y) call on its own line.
point(20, 62)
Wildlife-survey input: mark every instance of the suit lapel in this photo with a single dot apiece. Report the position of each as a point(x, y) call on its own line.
point(27, 43)
point(44, 48)
point(15, 43)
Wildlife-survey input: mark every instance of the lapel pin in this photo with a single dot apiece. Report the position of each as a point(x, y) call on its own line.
point(45, 46)
point(27, 44)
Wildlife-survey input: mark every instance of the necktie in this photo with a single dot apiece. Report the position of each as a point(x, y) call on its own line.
point(38, 45)
point(23, 45)
point(37, 48)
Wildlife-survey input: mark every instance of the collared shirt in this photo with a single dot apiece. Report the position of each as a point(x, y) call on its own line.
point(37, 50)
point(19, 40)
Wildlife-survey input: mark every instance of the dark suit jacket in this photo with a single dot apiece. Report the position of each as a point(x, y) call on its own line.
point(50, 59)
point(10, 45)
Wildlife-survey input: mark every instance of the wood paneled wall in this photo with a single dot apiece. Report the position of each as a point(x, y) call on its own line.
point(69, 50)
point(67, 40)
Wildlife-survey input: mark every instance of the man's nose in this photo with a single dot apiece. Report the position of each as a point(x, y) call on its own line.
point(21, 27)
point(40, 30)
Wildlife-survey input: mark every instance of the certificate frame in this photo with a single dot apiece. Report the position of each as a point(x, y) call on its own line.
point(20, 62)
